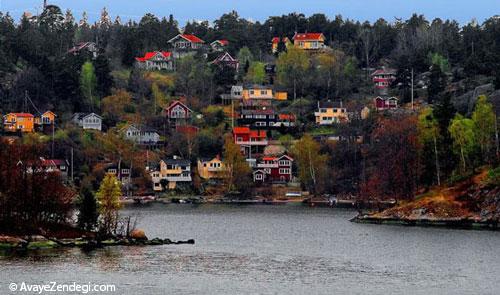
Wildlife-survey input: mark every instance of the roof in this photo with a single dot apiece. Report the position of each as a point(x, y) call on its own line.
point(386, 71)
point(308, 36)
point(22, 115)
point(222, 42)
point(387, 98)
point(276, 40)
point(256, 86)
point(330, 104)
point(150, 55)
point(141, 127)
point(176, 102)
point(81, 46)
point(53, 162)
point(182, 162)
point(240, 130)
point(189, 37)
point(288, 117)
point(80, 116)
point(258, 112)
point(222, 56)
point(269, 159)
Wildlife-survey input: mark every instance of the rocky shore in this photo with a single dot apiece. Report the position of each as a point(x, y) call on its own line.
point(457, 223)
point(41, 242)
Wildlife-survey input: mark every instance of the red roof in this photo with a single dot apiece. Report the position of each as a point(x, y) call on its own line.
point(276, 40)
point(269, 158)
point(224, 42)
point(192, 38)
point(289, 117)
point(178, 102)
point(258, 133)
point(307, 36)
point(240, 130)
point(24, 115)
point(150, 55)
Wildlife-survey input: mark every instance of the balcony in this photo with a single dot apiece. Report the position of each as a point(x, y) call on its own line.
point(215, 169)
point(179, 178)
point(262, 165)
point(253, 142)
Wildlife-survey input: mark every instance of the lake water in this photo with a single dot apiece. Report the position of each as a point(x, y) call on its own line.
point(262, 249)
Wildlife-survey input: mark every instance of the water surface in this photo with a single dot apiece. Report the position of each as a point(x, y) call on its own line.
point(274, 250)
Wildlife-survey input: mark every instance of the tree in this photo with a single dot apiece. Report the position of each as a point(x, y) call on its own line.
point(88, 83)
point(312, 164)
point(108, 197)
point(484, 120)
point(393, 160)
point(88, 214)
point(104, 81)
point(292, 66)
point(256, 73)
point(462, 132)
point(237, 169)
point(437, 83)
point(428, 129)
point(330, 68)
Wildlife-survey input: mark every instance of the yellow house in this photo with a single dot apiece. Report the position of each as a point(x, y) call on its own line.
point(329, 113)
point(280, 95)
point(211, 168)
point(171, 172)
point(23, 122)
point(47, 118)
point(257, 92)
point(309, 41)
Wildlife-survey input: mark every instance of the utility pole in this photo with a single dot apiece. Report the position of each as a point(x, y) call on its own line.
point(53, 135)
point(44, 4)
point(72, 171)
point(412, 97)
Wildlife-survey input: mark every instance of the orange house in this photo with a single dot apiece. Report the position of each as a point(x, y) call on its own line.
point(23, 122)
point(47, 118)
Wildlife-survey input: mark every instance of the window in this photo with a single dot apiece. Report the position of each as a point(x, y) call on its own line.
point(260, 124)
point(157, 184)
point(259, 176)
point(335, 110)
point(252, 92)
point(113, 171)
point(260, 116)
point(239, 139)
point(322, 110)
point(284, 163)
point(125, 171)
point(263, 92)
point(285, 171)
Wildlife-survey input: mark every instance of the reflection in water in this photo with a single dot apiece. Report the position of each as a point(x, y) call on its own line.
point(274, 250)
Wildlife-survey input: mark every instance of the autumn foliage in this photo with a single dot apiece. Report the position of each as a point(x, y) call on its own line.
point(392, 160)
point(30, 197)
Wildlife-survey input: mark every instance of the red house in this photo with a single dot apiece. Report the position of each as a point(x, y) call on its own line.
point(226, 59)
point(245, 136)
point(383, 77)
point(156, 60)
point(385, 103)
point(178, 110)
point(274, 169)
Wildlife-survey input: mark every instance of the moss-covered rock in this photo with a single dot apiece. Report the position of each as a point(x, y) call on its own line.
point(42, 245)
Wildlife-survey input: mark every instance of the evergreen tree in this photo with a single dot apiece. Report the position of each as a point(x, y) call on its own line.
point(87, 206)
point(437, 83)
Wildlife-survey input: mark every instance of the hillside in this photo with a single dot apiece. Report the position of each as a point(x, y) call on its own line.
point(474, 200)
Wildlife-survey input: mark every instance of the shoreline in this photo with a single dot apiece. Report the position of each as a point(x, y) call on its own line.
point(450, 223)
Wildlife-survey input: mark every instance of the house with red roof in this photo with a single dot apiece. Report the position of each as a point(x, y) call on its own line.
point(251, 142)
point(219, 45)
point(187, 42)
point(23, 122)
point(273, 169)
point(309, 41)
point(156, 60)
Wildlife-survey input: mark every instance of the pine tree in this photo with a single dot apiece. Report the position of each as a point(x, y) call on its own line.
point(88, 214)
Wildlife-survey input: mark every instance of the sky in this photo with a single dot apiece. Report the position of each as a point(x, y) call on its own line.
point(258, 10)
